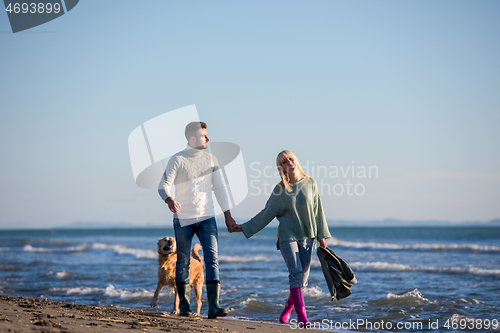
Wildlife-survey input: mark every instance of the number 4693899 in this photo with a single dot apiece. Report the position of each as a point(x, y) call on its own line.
point(471, 324)
point(33, 8)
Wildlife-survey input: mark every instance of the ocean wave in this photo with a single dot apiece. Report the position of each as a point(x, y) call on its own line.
point(463, 322)
point(410, 298)
point(254, 304)
point(125, 294)
point(419, 246)
point(413, 294)
point(248, 300)
point(62, 274)
point(469, 300)
point(109, 291)
point(5, 249)
point(77, 291)
point(230, 289)
point(121, 249)
point(385, 266)
point(313, 291)
point(10, 268)
point(80, 248)
point(29, 248)
point(238, 259)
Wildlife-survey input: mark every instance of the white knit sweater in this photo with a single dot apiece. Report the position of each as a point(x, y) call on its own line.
point(195, 174)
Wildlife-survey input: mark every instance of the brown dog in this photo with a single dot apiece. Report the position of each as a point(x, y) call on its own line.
point(167, 257)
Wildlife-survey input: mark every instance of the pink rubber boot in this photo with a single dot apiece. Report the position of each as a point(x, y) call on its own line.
point(285, 315)
point(300, 308)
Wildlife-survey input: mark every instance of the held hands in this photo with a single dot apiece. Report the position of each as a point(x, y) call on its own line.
point(237, 228)
point(232, 226)
point(231, 223)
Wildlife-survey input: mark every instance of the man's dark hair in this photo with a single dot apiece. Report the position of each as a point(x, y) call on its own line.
point(193, 127)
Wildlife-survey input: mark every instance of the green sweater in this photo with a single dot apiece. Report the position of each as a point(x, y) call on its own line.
point(300, 213)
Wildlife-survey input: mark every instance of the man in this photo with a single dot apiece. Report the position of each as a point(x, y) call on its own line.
point(195, 174)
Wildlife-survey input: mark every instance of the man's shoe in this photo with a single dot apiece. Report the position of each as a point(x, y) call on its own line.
point(213, 292)
point(183, 291)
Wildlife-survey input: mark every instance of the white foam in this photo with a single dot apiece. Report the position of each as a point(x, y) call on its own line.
point(313, 291)
point(120, 249)
point(29, 248)
point(382, 266)
point(415, 293)
point(77, 291)
point(458, 317)
point(83, 291)
point(346, 307)
point(385, 266)
point(247, 301)
point(5, 249)
point(470, 300)
point(79, 248)
point(419, 246)
point(236, 259)
point(125, 294)
point(62, 274)
point(109, 291)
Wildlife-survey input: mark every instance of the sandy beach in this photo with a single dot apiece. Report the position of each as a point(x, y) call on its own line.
point(31, 315)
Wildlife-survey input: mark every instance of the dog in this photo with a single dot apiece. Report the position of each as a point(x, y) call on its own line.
point(167, 257)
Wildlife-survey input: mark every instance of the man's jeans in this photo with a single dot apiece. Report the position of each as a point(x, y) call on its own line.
point(206, 231)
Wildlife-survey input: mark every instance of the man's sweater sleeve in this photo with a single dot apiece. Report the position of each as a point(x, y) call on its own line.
point(321, 224)
point(259, 221)
point(219, 187)
point(168, 177)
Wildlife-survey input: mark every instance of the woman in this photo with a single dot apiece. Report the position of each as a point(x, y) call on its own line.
point(296, 203)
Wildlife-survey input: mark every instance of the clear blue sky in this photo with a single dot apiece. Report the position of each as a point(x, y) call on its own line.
point(411, 87)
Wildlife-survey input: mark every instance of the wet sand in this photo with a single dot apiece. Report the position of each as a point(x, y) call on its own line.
point(31, 315)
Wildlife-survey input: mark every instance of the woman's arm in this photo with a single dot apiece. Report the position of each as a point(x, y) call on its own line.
point(261, 220)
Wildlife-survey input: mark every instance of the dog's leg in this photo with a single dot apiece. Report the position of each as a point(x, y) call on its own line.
point(176, 302)
point(159, 288)
point(198, 290)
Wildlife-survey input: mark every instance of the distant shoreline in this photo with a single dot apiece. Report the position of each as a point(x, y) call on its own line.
point(336, 224)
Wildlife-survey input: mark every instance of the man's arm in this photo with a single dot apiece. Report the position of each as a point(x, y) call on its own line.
point(166, 183)
point(219, 188)
point(230, 222)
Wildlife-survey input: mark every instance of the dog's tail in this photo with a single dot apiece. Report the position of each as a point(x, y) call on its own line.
point(195, 250)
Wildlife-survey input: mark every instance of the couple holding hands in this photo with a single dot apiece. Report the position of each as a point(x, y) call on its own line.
point(294, 202)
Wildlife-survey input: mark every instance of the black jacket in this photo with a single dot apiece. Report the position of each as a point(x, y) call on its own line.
point(338, 275)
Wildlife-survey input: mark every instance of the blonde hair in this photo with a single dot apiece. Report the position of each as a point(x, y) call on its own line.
point(285, 179)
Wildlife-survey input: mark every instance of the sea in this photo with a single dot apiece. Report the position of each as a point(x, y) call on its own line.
point(411, 279)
